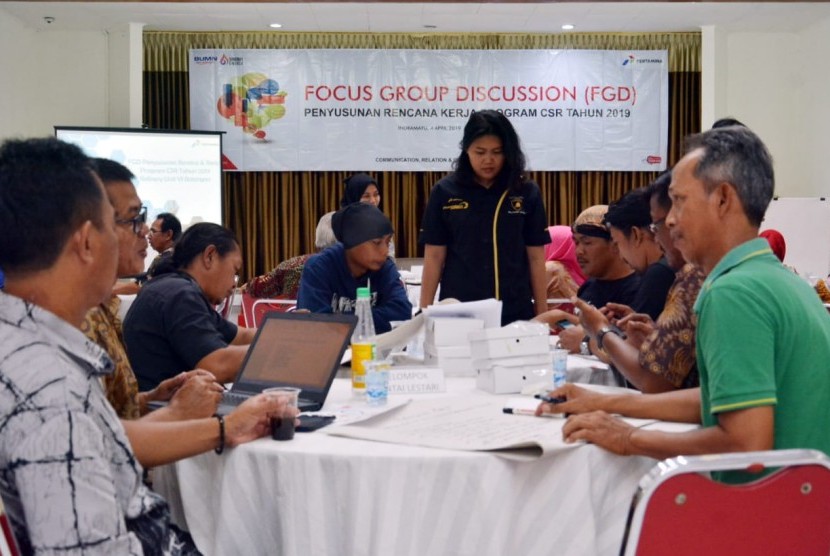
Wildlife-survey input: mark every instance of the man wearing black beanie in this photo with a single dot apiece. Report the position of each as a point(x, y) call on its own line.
point(359, 259)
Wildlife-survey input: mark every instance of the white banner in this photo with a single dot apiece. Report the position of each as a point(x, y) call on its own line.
point(406, 109)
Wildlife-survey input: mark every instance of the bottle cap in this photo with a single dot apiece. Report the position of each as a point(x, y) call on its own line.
point(363, 292)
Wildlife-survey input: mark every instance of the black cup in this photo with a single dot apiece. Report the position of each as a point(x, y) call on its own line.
point(282, 428)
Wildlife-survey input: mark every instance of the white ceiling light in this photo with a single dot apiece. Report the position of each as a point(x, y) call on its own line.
point(275, 25)
point(567, 26)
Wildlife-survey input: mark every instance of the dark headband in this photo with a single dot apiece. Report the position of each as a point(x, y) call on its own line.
point(593, 231)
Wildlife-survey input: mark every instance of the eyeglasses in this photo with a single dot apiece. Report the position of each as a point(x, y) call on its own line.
point(153, 231)
point(654, 227)
point(137, 222)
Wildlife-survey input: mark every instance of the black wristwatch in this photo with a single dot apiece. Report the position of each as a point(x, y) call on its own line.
point(605, 330)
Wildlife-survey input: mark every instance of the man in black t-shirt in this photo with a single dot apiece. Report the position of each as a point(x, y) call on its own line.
point(610, 279)
point(628, 220)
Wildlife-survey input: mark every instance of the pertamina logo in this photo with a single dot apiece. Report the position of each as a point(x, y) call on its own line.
point(631, 60)
point(226, 60)
point(654, 159)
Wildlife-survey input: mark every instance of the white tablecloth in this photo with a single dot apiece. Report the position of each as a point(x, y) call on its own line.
point(325, 495)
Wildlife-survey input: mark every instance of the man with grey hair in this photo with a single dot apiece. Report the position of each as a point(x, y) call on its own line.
point(763, 337)
point(324, 235)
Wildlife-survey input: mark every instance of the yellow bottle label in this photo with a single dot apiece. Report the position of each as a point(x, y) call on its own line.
point(361, 353)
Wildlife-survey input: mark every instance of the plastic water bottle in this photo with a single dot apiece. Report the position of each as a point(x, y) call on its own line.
point(377, 382)
point(559, 359)
point(363, 340)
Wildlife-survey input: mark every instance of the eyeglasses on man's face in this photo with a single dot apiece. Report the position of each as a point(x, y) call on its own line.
point(654, 227)
point(137, 222)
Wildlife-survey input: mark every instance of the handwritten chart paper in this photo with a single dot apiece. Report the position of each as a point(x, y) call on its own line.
point(476, 423)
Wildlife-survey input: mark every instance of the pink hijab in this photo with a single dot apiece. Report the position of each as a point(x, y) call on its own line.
point(562, 249)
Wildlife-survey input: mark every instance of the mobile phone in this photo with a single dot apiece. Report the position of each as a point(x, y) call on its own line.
point(564, 323)
point(310, 423)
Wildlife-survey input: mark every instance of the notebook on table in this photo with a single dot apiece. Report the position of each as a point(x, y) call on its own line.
point(293, 349)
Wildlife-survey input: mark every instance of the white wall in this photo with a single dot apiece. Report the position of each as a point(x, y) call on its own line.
point(14, 41)
point(713, 74)
point(765, 92)
point(814, 136)
point(776, 84)
point(50, 78)
point(125, 79)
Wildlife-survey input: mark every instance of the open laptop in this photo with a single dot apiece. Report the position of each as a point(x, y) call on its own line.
point(293, 349)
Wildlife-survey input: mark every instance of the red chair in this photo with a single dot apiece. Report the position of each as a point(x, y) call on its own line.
point(8, 545)
point(679, 510)
point(254, 309)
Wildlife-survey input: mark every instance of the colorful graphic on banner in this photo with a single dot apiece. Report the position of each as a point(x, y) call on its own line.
point(401, 110)
point(251, 102)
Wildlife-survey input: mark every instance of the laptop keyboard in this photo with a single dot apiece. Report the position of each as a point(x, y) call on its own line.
point(229, 398)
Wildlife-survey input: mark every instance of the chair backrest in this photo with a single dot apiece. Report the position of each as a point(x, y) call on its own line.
point(8, 545)
point(254, 310)
point(679, 510)
point(225, 307)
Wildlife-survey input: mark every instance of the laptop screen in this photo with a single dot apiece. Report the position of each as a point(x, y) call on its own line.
point(296, 349)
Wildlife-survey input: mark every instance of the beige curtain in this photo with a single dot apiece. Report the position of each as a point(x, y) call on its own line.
point(275, 213)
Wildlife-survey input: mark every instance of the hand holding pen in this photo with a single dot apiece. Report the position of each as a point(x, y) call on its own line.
point(570, 399)
point(549, 401)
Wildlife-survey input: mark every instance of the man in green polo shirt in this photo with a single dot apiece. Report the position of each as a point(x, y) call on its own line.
point(763, 336)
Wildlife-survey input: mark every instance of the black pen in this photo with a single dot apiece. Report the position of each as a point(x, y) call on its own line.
point(522, 411)
point(548, 399)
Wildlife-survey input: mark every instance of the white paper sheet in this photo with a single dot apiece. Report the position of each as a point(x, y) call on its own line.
point(476, 424)
point(460, 424)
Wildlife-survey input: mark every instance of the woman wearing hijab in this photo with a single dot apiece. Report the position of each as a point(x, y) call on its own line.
point(360, 259)
point(360, 188)
point(562, 271)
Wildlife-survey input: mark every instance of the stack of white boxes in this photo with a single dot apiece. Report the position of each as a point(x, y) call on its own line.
point(508, 358)
point(446, 344)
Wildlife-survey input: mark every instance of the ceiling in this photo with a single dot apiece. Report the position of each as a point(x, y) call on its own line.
point(409, 17)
